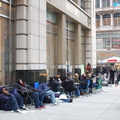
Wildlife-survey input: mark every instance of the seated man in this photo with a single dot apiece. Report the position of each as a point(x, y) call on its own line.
point(55, 82)
point(36, 95)
point(9, 101)
point(69, 86)
point(83, 83)
point(43, 87)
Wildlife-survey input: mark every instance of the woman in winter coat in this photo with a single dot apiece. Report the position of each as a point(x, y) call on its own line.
point(36, 95)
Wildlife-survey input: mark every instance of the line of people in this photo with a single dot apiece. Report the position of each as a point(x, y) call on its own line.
point(14, 100)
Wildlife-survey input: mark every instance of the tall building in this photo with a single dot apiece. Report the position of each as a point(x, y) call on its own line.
point(107, 29)
point(39, 38)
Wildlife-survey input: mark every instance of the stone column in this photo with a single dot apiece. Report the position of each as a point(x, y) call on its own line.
point(88, 47)
point(100, 3)
point(21, 35)
point(78, 50)
point(88, 6)
point(111, 4)
point(101, 20)
point(111, 19)
point(62, 44)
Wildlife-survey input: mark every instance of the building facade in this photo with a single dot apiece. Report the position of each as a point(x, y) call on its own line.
point(42, 37)
point(107, 29)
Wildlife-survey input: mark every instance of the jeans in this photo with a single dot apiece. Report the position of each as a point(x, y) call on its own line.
point(66, 100)
point(19, 99)
point(11, 104)
point(38, 98)
point(51, 94)
point(77, 91)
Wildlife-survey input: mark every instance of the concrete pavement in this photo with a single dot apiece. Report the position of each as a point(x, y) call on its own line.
point(100, 106)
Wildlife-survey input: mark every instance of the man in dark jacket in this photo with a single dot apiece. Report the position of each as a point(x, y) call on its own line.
point(68, 85)
point(55, 82)
point(36, 95)
point(112, 75)
point(9, 101)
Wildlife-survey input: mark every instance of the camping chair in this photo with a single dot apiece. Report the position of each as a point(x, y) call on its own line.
point(99, 84)
point(86, 89)
point(69, 88)
point(26, 97)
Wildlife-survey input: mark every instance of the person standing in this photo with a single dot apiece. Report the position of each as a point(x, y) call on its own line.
point(89, 68)
point(112, 75)
point(118, 79)
point(104, 72)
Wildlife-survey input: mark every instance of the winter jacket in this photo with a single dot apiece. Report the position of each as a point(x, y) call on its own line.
point(25, 88)
point(3, 98)
point(43, 87)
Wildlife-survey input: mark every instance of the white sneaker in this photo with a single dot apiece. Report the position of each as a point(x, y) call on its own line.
point(18, 111)
point(55, 104)
point(25, 108)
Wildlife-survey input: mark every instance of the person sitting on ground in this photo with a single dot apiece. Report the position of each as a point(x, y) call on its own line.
point(9, 101)
point(36, 95)
point(44, 87)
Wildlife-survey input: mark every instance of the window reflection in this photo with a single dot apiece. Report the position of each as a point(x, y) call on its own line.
point(4, 9)
point(70, 50)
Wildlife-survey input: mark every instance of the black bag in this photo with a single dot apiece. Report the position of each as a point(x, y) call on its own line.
point(47, 99)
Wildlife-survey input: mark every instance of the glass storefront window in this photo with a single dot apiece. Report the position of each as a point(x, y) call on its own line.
point(52, 17)
point(116, 43)
point(117, 19)
point(99, 44)
point(51, 43)
point(106, 19)
point(106, 3)
point(97, 20)
point(106, 43)
point(70, 50)
point(6, 40)
point(97, 3)
point(4, 9)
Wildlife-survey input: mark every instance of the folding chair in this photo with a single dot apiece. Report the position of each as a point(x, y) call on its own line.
point(86, 89)
point(26, 97)
point(99, 84)
point(68, 88)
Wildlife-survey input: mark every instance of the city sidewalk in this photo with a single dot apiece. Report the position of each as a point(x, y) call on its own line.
point(100, 106)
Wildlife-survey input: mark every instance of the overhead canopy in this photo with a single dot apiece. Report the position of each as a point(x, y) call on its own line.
point(113, 59)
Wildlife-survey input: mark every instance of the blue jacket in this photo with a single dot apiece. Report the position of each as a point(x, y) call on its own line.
point(43, 87)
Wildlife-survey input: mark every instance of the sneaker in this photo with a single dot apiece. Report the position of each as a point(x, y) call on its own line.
point(43, 107)
point(18, 111)
point(54, 104)
point(25, 108)
point(38, 108)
